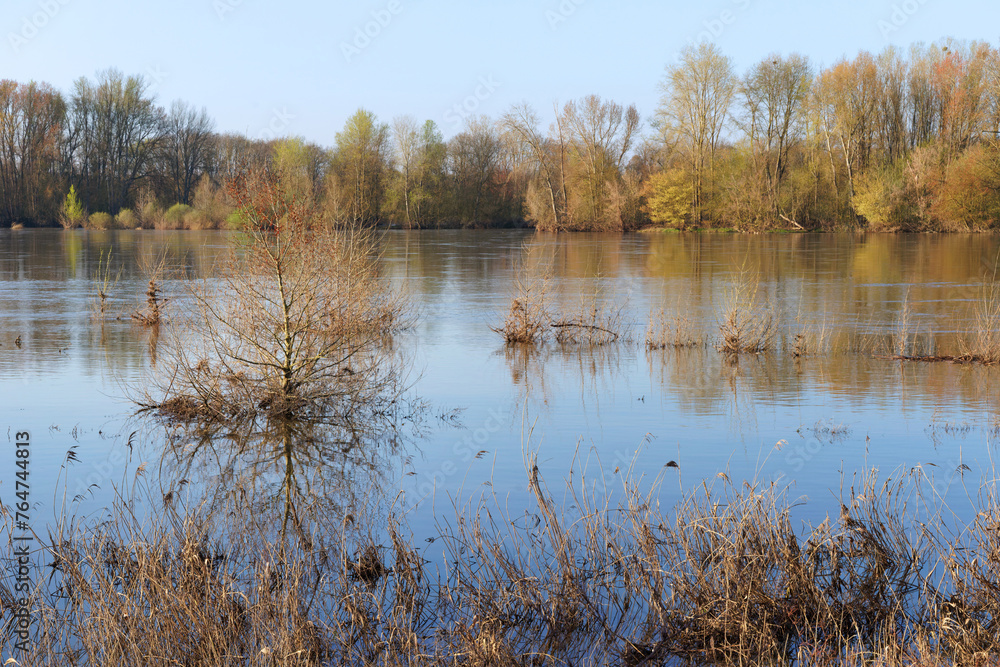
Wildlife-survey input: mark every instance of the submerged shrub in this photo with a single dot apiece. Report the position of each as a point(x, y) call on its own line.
point(676, 331)
point(297, 328)
point(527, 320)
point(595, 322)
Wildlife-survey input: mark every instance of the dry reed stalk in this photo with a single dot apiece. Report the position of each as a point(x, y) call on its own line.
point(606, 576)
point(107, 281)
point(675, 331)
point(983, 343)
point(902, 336)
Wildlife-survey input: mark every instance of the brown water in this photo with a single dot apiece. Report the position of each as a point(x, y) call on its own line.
point(833, 412)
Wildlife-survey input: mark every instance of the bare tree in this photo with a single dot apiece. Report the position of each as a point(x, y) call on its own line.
point(602, 134)
point(772, 95)
point(294, 331)
point(475, 159)
point(406, 142)
point(846, 96)
point(521, 124)
point(185, 151)
point(31, 117)
point(113, 133)
point(697, 95)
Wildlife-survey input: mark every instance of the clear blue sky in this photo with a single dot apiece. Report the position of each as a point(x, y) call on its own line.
point(299, 68)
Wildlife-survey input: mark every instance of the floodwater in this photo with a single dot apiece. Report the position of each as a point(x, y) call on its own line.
point(813, 421)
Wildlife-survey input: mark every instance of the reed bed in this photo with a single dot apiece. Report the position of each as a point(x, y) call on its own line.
point(606, 576)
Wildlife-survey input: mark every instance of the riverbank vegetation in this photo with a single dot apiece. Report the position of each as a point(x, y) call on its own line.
point(902, 140)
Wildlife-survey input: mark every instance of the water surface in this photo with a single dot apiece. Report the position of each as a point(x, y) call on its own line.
point(814, 420)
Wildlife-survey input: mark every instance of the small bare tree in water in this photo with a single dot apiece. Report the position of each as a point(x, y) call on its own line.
point(295, 326)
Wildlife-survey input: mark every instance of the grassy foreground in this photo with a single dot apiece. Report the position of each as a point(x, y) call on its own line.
point(606, 578)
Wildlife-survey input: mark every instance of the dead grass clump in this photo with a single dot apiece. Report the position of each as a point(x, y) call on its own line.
point(983, 343)
point(676, 331)
point(160, 590)
point(368, 567)
point(747, 324)
point(152, 314)
point(527, 320)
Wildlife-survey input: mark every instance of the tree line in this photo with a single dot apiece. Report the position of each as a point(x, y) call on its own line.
point(900, 140)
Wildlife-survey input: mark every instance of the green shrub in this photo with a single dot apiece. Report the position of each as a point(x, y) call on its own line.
point(969, 197)
point(72, 213)
point(174, 217)
point(152, 215)
point(211, 200)
point(100, 220)
point(887, 199)
point(127, 219)
point(234, 220)
point(668, 198)
point(195, 219)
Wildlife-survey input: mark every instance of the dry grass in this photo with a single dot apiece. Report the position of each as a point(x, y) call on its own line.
point(605, 577)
